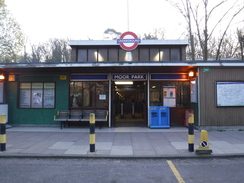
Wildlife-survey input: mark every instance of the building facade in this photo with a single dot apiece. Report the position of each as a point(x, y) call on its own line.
point(103, 76)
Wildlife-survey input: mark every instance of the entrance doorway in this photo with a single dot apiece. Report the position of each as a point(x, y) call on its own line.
point(129, 104)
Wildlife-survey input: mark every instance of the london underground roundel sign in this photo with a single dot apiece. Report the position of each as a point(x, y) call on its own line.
point(128, 41)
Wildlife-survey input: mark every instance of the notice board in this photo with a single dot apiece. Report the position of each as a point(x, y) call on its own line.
point(230, 93)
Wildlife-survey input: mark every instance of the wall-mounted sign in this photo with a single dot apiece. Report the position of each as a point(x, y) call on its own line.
point(128, 41)
point(206, 69)
point(169, 76)
point(129, 76)
point(63, 77)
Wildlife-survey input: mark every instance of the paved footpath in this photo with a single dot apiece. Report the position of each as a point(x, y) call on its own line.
point(117, 142)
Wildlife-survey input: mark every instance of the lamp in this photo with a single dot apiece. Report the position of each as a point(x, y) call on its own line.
point(2, 77)
point(191, 74)
point(11, 78)
point(124, 82)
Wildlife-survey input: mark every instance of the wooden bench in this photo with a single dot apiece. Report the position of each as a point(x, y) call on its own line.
point(66, 116)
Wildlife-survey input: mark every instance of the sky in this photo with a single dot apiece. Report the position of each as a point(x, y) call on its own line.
point(41, 20)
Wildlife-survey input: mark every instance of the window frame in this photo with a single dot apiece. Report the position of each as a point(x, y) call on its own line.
point(30, 91)
point(95, 95)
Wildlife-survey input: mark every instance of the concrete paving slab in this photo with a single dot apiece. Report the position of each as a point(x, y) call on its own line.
point(179, 145)
point(61, 145)
point(103, 146)
point(122, 142)
point(102, 152)
point(121, 150)
point(144, 152)
point(53, 152)
point(77, 150)
point(240, 146)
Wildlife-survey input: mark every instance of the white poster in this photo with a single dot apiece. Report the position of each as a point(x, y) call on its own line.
point(25, 98)
point(49, 95)
point(169, 96)
point(25, 95)
point(37, 94)
point(193, 90)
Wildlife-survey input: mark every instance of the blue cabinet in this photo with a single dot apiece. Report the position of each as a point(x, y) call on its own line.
point(159, 117)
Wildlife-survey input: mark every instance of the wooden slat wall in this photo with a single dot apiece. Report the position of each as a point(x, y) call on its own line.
point(210, 115)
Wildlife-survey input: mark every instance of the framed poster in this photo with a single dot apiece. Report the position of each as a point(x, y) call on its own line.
point(193, 91)
point(49, 95)
point(230, 93)
point(169, 96)
point(37, 95)
point(155, 96)
point(25, 92)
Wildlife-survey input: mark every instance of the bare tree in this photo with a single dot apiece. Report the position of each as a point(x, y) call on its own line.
point(198, 15)
point(11, 37)
point(240, 34)
point(157, 34)
point(111, 34)
point(55, 50)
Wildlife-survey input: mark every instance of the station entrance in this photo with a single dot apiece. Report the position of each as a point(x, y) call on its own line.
point(129, 108)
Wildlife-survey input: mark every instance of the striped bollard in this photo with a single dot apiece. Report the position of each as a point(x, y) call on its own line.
point(191, 132)
point(92, 132)
point(2, 132)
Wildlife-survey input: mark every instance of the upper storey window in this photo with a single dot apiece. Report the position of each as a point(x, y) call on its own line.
point(143, 54)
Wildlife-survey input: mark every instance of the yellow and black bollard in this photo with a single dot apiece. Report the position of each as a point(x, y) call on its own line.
point(2, 132)
point(191, 132)
point(92, 132)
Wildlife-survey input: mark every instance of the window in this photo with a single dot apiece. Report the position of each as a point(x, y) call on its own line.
point(102, 55)
point(144, 54)
point(164, 54)
point(154, 54)
point(113, 55)
point(123, 55)
point(89, 94)
point(169, 93)
point(37, 95)
point(175, 54)
point(82, 55)
point(92, 55)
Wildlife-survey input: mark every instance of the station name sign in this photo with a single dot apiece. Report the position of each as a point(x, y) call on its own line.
point(129, 76)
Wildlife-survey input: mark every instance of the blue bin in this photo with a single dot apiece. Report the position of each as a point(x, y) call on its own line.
point(154, 116)
point(159, 117)
point(164, 117)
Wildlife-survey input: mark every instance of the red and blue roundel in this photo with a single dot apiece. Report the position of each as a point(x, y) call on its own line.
point(128, 41)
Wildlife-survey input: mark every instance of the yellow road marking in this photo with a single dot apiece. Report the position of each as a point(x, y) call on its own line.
point(176, 173)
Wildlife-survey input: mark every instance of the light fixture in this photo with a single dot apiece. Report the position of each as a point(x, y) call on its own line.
point(191, 74)
point(2, 77)
point(124, 82)
point(11, 77)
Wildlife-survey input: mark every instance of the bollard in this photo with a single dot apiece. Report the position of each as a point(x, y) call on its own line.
point(2, 132)
point(92, 132)
point(191, 132)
